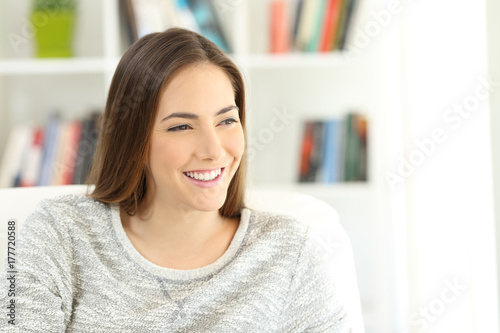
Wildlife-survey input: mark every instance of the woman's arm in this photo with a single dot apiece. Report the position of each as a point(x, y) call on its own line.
point(42, 283)
point(313, 305)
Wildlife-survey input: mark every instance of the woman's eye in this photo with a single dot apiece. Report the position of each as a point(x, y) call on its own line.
point(228, 121)
point(179, 128)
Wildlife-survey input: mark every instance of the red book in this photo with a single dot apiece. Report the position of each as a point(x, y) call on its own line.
point(280, 28)
point(33, 160)
point(73, 133)
point(306, 152)
point(330, 26)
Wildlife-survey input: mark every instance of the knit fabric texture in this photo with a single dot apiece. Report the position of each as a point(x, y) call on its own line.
point(79, 272)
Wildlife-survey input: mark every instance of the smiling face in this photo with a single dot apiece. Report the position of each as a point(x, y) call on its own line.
point(197, 140)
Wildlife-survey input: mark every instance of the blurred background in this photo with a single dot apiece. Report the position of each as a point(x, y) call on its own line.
point(383, 109)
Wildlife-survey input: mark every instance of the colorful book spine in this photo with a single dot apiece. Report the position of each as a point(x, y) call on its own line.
point(68, 154)
point(86, 149)
point(209, 23)
point(335, 150)
point(280, 29)
point(306, 151)
point(13, 159)
point(331, 26)
point(314, 42)
point(345, 24)
point(49, 150)
point(33, 160)
point(305, 28)
point(331, 152)
point(58, 153)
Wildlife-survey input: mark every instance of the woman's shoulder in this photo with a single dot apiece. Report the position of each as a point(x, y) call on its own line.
point(68, 204)
point(68, 210)
point(282, 227)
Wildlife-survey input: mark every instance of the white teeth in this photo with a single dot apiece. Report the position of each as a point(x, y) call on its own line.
point(207, 176)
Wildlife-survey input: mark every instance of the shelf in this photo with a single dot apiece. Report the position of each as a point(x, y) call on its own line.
point(353, 189)
point(295, 60)
point(53, 66)
point(100, 65)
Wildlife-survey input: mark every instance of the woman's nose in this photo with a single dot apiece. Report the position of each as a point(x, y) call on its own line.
point(209, 145)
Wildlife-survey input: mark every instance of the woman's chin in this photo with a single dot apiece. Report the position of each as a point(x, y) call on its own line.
point(209, 201)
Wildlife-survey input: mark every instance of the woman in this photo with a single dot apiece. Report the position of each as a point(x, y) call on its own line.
point(164, 242)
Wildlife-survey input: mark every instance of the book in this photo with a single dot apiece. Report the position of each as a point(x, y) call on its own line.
point(208, 22)
point(12, 161)
point(280, 33)
point(316, 25)
point(316, 159)
point(313, 44)
point(334, 150)
point(296, 20)
point(330, 168)
point(56, 153)
point(305, 27)
point(330, 28)
point(33, 158)
point(362, 131)
point(127, 19)
point(345, 23)
point(306, 151)
point(68, 152)
point(86, 148)
point(355, 155)
point(57, 166)
point(312, 151)
point(50, 145)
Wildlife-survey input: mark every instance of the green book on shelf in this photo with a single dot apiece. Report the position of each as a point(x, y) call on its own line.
point(314, 43)
point(352, 149)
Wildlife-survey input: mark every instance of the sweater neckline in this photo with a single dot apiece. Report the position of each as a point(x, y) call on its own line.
point(181, 274)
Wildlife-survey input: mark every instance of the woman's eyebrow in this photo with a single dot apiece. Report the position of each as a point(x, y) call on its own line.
point(188, 115)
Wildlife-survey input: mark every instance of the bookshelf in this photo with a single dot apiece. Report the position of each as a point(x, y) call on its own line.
point(301, 85)
point(19, 67)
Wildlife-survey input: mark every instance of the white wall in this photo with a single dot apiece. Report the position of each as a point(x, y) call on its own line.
point(448, 188)
point(493, 22)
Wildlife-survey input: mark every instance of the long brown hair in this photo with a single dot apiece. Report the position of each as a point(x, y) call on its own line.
point(119, 168)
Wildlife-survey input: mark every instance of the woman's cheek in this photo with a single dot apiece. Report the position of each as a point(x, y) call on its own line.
point(237, 142)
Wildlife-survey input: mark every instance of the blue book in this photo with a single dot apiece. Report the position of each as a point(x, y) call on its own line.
point(208, 21)
point(331, 152)
point(49, 150)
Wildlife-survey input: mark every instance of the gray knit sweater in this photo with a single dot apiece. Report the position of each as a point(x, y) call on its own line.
point(78, 272)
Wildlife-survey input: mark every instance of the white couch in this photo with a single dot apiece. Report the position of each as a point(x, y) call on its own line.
point(335, 246)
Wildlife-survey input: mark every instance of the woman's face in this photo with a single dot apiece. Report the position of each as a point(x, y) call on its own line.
point(197, 140)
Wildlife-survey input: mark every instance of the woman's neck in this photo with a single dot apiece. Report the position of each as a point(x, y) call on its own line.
point(177, 238)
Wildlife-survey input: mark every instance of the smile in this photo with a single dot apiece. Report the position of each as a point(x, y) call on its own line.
point(205, 175)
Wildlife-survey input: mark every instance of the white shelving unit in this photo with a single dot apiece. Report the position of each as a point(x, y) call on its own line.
point(30, 88)
point(298, 85)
